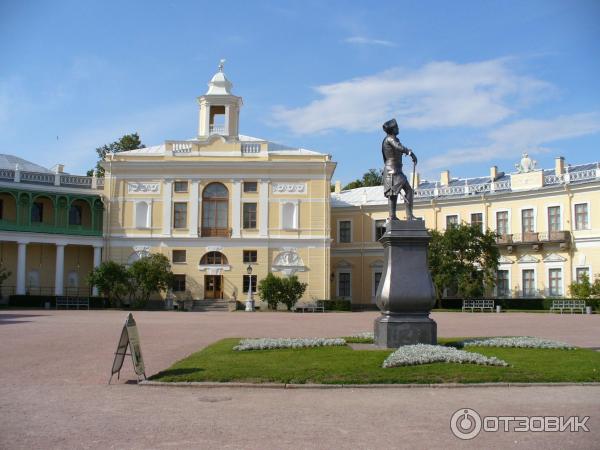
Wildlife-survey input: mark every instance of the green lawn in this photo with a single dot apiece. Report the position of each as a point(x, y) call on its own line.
point(342, 365)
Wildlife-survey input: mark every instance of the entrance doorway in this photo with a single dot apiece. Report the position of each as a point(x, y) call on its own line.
point(213, 286)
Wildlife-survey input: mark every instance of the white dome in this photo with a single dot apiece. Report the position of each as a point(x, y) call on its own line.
point(219, 85)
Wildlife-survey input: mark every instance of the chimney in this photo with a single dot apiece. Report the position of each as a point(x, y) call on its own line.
point(445, 178)
point(417, 179)
point(559, 166)
point(338, 187)
point(58, 168)
point(493, 173)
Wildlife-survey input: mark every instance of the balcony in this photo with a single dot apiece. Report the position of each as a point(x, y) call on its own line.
point(216, 232)
point(535, 240)
point(217, 129)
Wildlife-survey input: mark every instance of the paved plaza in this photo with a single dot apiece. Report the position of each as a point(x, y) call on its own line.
point(55, 366)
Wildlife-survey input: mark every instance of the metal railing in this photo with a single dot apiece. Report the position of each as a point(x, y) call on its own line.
point(76, 180)
point(37, 177)
point(7, 174)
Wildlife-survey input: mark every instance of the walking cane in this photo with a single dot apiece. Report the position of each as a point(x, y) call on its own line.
point(414, 171)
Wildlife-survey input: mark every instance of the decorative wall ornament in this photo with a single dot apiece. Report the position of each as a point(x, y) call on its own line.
point(289, 262)
point(214, 269)
point(214, 248)
point(526, 165)
point(139, 252)
point(289, 188)
point(553, 257)
point(143, 188)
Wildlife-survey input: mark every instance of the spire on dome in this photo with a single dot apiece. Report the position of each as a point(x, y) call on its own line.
point(219, 84)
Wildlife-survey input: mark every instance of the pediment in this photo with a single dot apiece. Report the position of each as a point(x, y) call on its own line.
point(528, 259)
point(553, 257)
point(343, 264)
point(504, 260)
point(376, 264)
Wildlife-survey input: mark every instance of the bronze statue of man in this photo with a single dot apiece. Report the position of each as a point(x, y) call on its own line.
point(394, 180)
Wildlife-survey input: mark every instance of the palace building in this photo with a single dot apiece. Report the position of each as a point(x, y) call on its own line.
point(223, 201)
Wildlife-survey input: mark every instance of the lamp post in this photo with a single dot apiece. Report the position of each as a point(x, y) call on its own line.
point(249, 300)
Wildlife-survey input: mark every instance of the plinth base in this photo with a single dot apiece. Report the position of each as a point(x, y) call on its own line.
point(393, 331)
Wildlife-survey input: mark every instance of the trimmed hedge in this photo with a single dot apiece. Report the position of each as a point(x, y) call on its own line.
point(337, 305)
point(39, 301)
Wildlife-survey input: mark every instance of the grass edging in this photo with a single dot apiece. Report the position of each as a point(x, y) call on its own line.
point(211, 385)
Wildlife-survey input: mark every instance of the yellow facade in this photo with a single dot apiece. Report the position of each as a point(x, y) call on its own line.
point(537, 261)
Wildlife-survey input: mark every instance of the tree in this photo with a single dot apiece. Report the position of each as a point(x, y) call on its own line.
point(583, 289)
point(269, 290)
point(373, 177)
point(464, 259)
point(148, 275)
point(4, 274)
point(112, 281)
point(126, 142)
point(291, 291)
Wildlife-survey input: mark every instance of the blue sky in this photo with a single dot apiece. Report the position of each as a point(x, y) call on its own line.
point(471, 84)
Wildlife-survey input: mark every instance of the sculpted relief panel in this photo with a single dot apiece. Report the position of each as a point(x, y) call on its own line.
point(143, 188)
point(289, 188)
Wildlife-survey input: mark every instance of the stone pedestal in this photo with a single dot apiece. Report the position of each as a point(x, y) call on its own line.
point(405, 294)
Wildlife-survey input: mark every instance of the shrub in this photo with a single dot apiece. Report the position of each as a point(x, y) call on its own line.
point(337, 304)
point(274, 290)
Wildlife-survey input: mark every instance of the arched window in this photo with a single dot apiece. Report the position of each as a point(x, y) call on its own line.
point(289, 216)
point(213, 258)
point(75, 215)
point(215, 210)
point(142, 215)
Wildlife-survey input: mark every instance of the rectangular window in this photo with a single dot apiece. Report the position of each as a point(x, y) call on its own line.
point(37, 212)
point(477, 220)
point(527, 225)
point(555, 282)
point(345, 231)
point(179, 256)
point(379, 229)
point(181, 186)
point(502, 284)
point(249, 215)
point(344, 284)
point(376, 280)
point(178, 283)
point(581, 216)
point(246, 283)
point(250, 256)
point(580, 272)
point(250, 186)
point(451, 221)
point(554, 218)
point(179, 215)
point(528, 283)
point(502, 223)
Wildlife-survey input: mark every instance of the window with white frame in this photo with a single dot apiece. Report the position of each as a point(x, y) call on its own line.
point(502, 283)
point(527, 221)
point(344, 284)
point(179, 215)
point(451, 221)
point(345, 231)
point(554, 219)
point(528, 285)
point(502, 223)
point(581, 216)
point(555, 282)
point(477, 220)
point(379, 228)
point(580, 272)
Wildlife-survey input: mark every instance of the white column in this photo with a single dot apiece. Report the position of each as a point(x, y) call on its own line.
point(227, 120)
point(97, 261)
point(21, 267)
point(236, 205)
point(194, 209)
point(263, 209)
point(59, 270)
point(167, 197)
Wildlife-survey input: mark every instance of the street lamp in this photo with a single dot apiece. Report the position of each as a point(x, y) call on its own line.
point(249, 300)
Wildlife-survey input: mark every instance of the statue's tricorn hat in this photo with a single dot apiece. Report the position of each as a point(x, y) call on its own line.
point(390, 125)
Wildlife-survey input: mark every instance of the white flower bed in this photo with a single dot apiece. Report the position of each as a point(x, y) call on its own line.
point(363, 335)
point(517, 342)
point(411, 355)
point(272, 343)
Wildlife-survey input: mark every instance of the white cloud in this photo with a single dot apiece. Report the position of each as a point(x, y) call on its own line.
point(439, 94)
point(361, 40)
point(526, 135)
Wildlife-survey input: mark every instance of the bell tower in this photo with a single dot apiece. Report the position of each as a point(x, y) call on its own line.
point(219, 108)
